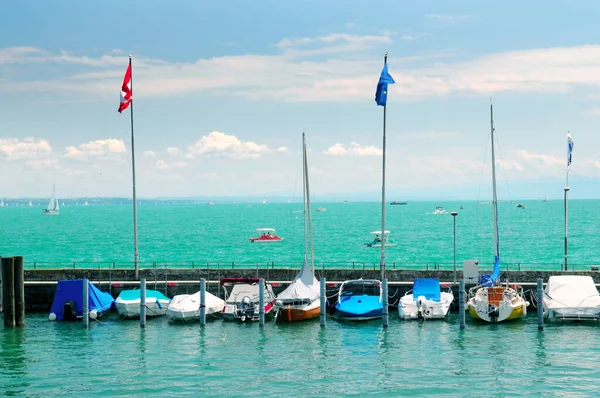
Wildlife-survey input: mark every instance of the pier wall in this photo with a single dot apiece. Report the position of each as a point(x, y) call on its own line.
point(41, 284)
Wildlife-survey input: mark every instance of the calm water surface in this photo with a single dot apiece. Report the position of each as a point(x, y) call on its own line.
point(410, 358)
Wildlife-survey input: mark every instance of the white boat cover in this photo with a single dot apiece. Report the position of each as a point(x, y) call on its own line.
point(571, 291)
point(191, 303)
point(304, 286)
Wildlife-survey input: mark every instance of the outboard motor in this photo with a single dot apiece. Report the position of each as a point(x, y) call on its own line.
point(69, 311)
point(421, 308)
point(245, 308)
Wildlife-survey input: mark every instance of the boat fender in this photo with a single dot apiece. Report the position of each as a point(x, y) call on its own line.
point(93, 314)
point(279, 303)
point(158, 304)
point(52, 316)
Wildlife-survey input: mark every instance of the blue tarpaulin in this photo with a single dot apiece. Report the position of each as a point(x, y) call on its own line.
point(72, 290)
point(429, 287)
point(487, 280)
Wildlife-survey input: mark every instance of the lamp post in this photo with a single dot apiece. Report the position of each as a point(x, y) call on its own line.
point(454, 214)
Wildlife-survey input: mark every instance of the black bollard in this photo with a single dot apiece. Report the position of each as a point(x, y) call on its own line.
point(19, 286)
point(8, 291)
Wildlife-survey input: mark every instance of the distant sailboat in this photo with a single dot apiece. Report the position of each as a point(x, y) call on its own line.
point(1, 203)
point(52, 208)
point(545, 198)
point(86, 203)
point(30, 204)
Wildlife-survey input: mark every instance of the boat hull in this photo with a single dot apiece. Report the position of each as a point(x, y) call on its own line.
point(231, 312)
point(131, 308)
point(572, 314)
point(296, 313)
point(497, 304)
point(186, 307)
point(409, 308)
point(352, 316)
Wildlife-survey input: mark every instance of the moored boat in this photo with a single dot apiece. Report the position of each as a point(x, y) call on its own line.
point(186, 307)
point(491, 301)
point(267, 235)
point(301, 300)
point(68, 301)
point(380, 238)
point(243, 300)
point(128, 303)
point(52, 209)
point(425, 301)
point(359, 300)
point(571, 298)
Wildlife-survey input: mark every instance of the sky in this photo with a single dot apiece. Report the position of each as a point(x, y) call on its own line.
point(223, 90)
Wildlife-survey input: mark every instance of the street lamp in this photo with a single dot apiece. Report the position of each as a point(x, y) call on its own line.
point(454, 214)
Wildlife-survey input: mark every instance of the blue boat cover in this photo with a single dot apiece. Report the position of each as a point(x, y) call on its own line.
point(487, 280)
point(430, 288)
point(359, 306)
point(72, 290)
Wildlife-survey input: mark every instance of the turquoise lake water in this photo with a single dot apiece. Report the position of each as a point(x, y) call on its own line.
point(219, 234)
point(116, 358)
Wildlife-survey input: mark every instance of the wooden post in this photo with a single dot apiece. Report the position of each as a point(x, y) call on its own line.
point(323, 315)
point(8, 292)
point(19, 286)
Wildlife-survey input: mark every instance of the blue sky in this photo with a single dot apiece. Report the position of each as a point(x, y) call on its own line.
point(223, 90)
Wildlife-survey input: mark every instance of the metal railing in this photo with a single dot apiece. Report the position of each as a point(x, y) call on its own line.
point(354, 265)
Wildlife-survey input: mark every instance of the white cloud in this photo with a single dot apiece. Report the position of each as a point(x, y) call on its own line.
point(282, 149)
point(20, 149)
point(547, 160)
point(95, 149)
point(173, 151)
point(149, 154)
point(217, 144)
point(448, 19)
point(162, 165)
point(353, 149)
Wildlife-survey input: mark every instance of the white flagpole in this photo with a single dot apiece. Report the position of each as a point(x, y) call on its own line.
point(135, 231)
point(382, 263)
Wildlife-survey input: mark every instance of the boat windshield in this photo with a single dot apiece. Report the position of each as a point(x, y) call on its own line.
point(362, 288)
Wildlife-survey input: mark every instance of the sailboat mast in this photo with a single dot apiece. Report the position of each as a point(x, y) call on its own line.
point(309, 217)
point(304, 199)
point(494, 193)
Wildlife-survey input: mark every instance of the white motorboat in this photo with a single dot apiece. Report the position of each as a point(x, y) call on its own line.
point(186, 307)
point(128, 303)
point(425, 301)
point(571, 298)
point(242, 302)
point(377, 240)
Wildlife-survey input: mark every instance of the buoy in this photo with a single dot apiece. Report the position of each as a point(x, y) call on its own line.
point(52, 316)
point(93, 314)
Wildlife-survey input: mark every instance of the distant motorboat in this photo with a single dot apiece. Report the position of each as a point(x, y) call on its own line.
point(439, 210)
point(521, 206)
point(395, 202)
point(267, 236)
point(321, 208)
point(377, 240)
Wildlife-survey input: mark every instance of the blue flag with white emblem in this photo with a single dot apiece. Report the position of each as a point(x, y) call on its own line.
point(570, 150)
point(382, 86)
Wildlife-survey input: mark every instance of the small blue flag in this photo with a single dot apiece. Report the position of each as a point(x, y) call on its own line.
point(382, 86)
point(570, 152)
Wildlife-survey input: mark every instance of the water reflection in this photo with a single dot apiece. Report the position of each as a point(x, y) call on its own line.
point(14, 362)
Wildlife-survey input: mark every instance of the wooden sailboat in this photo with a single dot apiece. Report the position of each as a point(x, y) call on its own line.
point(302, 298)
point(490, 301)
